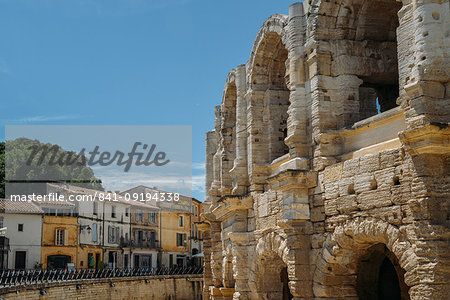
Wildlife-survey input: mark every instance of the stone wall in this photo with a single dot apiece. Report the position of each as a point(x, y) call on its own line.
point(312, 193)
point(180, 287)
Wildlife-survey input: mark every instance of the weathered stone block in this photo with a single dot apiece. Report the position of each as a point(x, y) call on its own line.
point(370, 199)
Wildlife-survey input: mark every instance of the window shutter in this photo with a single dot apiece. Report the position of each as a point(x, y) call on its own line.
point(184, 239)
point(56, 236)
point(66, 237)
point(109, 234)
point(117, 235)
point(94, 232)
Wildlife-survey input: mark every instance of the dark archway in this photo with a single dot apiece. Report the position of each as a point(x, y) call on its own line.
point(285, 282)
point(380, 277)
point(272, 281)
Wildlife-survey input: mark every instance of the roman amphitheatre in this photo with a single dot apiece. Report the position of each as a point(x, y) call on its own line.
point(327, 171)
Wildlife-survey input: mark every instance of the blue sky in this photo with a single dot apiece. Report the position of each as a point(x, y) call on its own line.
point(116, 62)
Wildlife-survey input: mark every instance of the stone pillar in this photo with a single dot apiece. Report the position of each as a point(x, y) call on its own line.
point(257, 142)
point(335, 104)
point(296, 224)
point(299, 234)
point(211, 149)
point(216, 255)
point(207, 274)
point(423, 49)
point(427, 82)
point(239, 171)
point(214, 191)
point(297, 139)
point(241, 242)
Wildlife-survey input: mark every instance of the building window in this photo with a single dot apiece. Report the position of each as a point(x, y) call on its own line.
point(113, 235)
point(20, 227)
point(113, 211)
point(180, 221)
point(59, 237)
point(95, 212)
point(152, 217)
point(194, 231)
point(181, 239)
point(127, 211)
point(1, 222)
point(94, 232)
point(139, 215)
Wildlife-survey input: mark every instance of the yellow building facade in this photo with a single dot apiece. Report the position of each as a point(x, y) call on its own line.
point(175, 232)
point(59, 242)
point(89, 256)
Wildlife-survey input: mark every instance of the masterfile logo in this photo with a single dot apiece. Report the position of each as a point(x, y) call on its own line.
point(108, 158)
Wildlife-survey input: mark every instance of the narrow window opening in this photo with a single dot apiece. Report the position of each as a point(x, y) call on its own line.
point(373, 184)
point(396, 180)
point(351, 189)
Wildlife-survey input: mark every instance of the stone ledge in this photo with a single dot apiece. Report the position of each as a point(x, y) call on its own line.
point(227, 204)
point(289, 179)
point(428, 139)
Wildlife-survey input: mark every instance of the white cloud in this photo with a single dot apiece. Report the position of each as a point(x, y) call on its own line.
point(198, 166)
point(38, 119)
point(198, 183)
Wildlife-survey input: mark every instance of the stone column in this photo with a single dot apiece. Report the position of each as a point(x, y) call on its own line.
point(211, 149)
point(423, 66)
point(297, 140)
point(257, 143)
point(296, 224)
point(239, 171)
point(216, 260)
point(299, 234)
point(241, 242)
point(207, 274)
point(426, 81)
point(214, 191)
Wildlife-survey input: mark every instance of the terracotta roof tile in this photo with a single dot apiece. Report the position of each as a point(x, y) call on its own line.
point(19, 207)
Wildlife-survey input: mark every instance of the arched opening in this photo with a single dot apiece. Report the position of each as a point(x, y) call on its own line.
point(269, 76)
point(272, 280)
point(376, 25)
point(380, 277)
point(364, 60)
point(228, 278)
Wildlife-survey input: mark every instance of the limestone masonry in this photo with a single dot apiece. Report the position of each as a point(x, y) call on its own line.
point(327, 174)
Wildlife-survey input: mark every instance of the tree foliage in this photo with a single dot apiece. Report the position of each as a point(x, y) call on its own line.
point(17, 153)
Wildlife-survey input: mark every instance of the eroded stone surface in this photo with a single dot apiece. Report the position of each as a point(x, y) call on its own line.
point(310, 191)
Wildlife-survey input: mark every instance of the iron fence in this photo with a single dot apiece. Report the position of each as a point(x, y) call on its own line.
point(10, 278)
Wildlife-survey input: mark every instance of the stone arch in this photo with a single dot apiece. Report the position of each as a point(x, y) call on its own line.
point(273, 242)
point(270, 275)
point(268, 94)
point(339, 263)
point(228, 132)
point(272, 31)
point(362, 37)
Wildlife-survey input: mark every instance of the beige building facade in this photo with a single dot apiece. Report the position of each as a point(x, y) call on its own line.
point(327, 174)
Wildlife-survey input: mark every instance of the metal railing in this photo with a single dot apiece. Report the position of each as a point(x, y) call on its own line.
point(10, 278)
